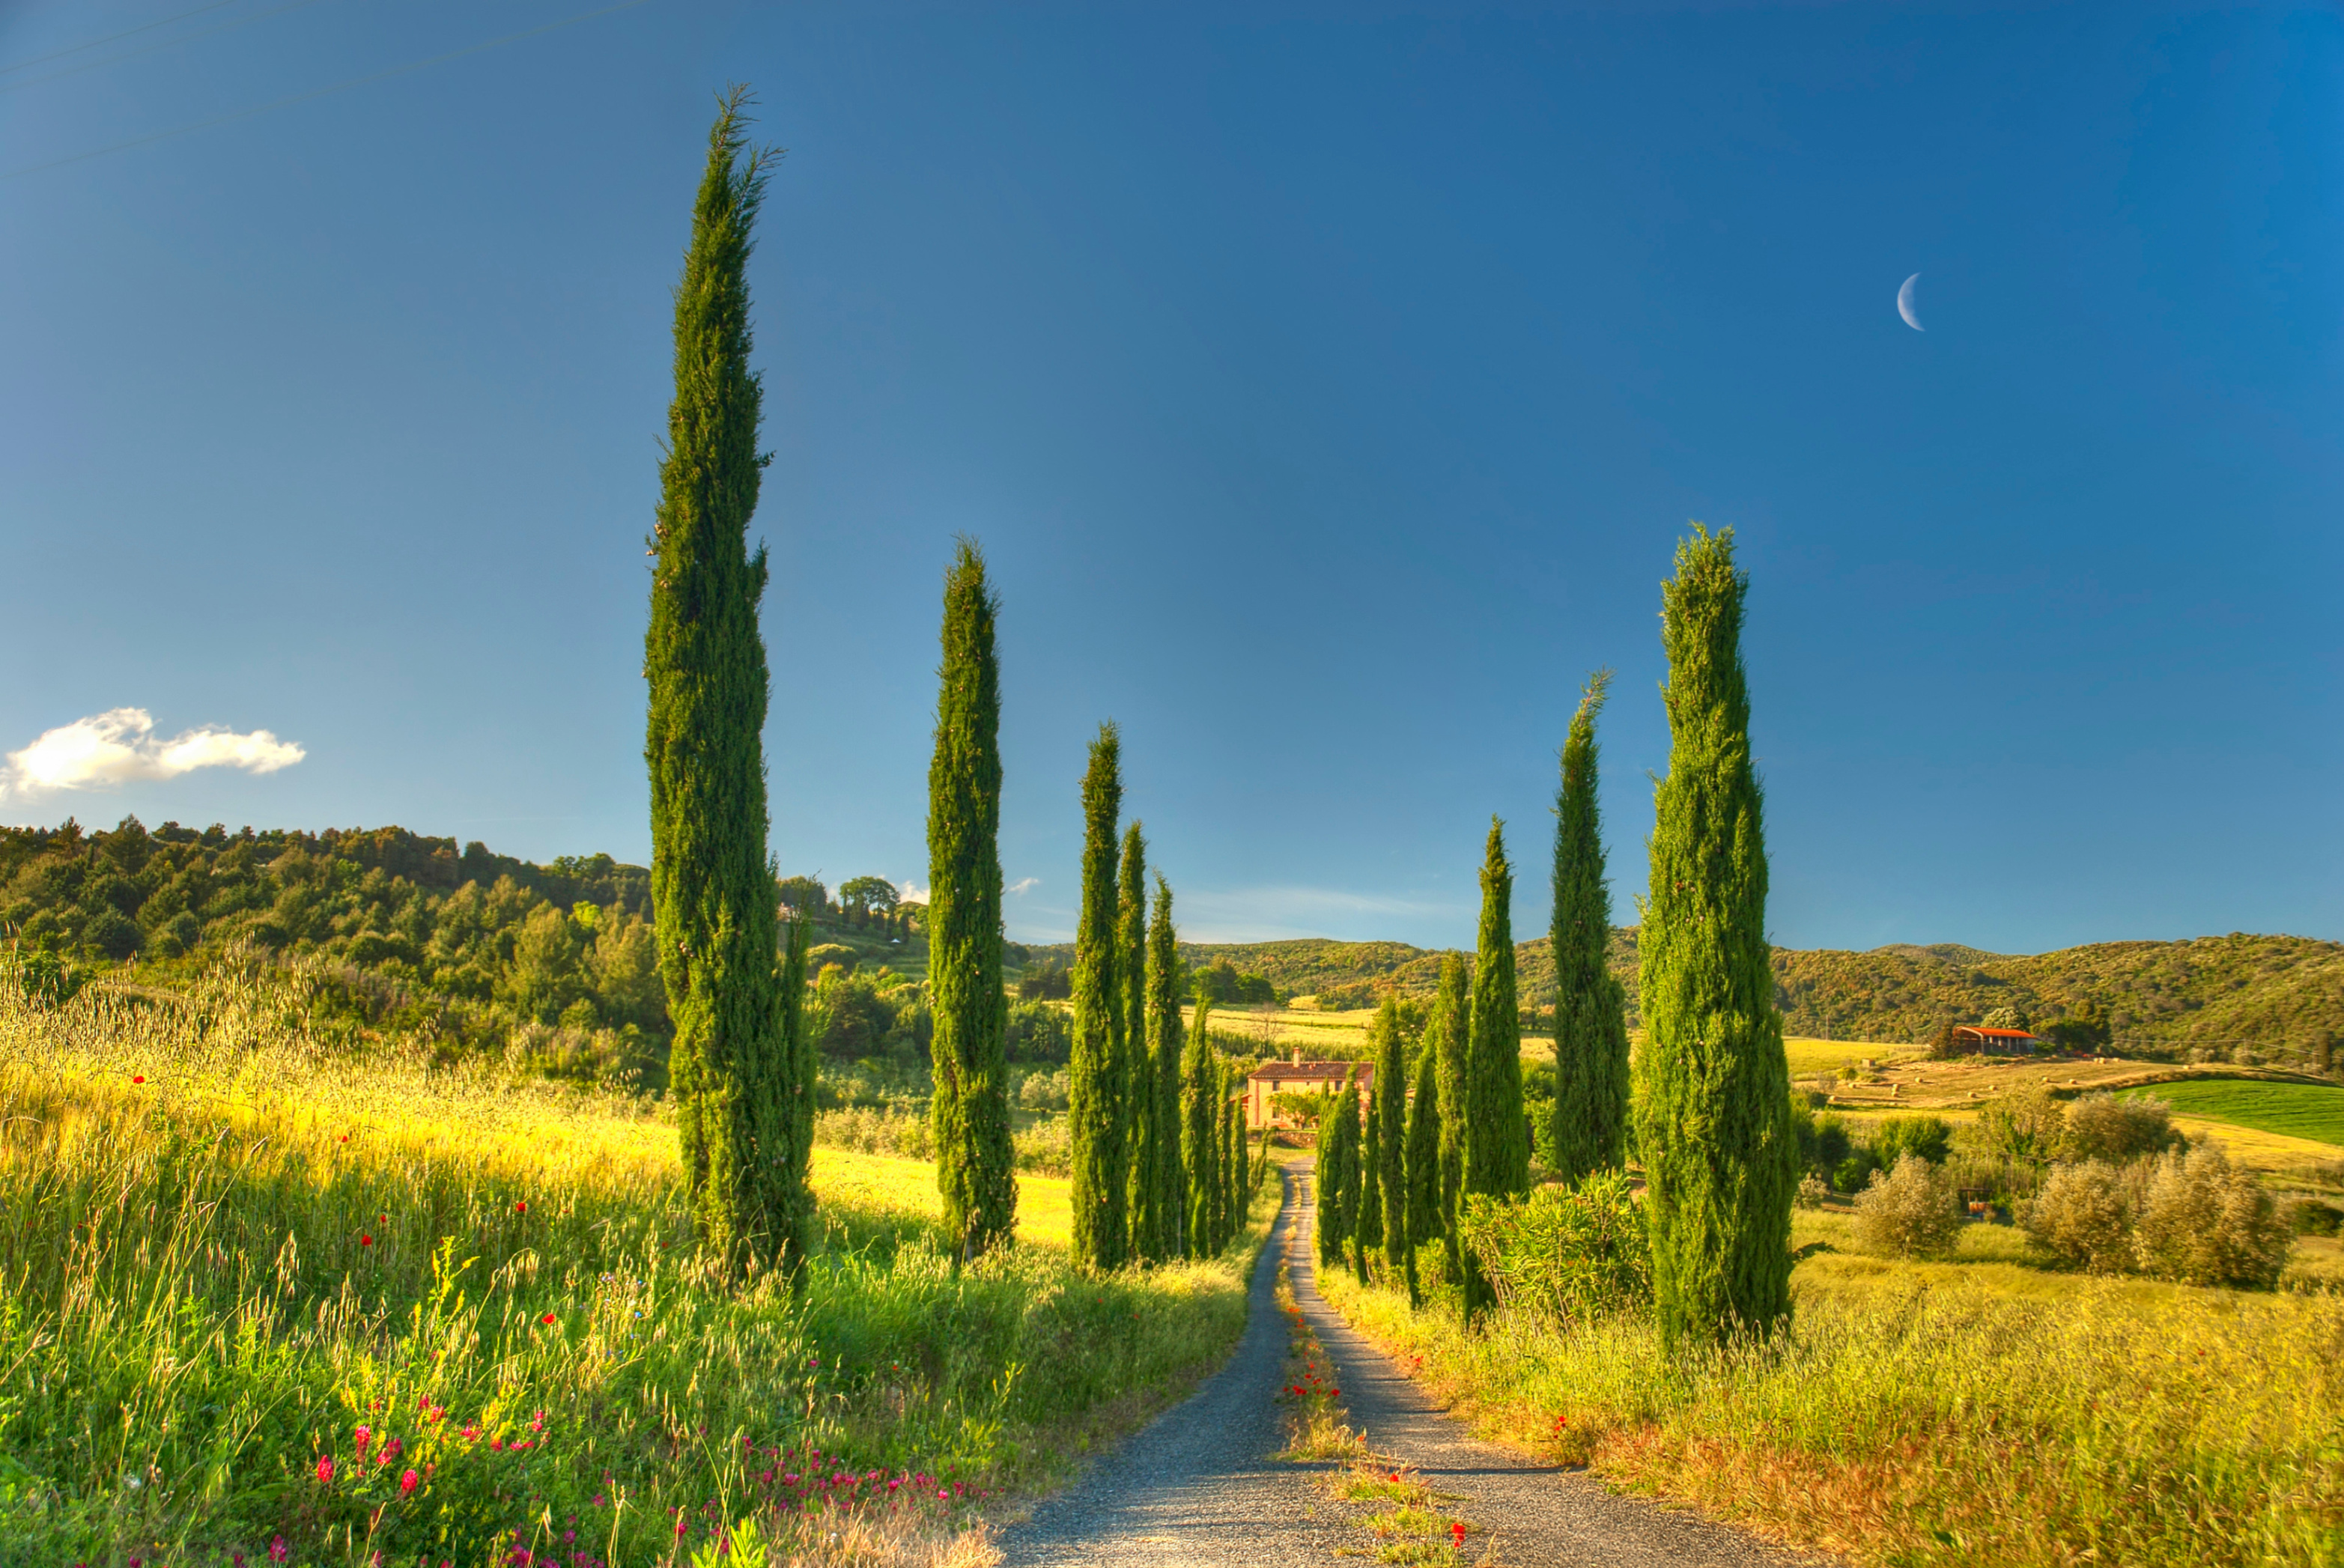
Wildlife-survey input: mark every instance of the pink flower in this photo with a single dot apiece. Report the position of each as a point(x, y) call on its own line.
point(364, 1438)
point(326, 1471)
point(392, 1448)
point(408, 1482)
point(278, 1550)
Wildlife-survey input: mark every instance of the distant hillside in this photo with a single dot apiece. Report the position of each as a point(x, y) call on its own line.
point(2274, 999)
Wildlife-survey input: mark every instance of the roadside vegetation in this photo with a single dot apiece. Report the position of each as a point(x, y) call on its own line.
point(258, 1277)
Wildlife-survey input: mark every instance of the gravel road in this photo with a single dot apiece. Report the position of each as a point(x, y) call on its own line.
point(1200, 1483)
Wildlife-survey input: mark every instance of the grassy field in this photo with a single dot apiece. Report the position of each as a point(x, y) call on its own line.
point(267, 1301)
point(2308, 1112)
point(1976, 1410)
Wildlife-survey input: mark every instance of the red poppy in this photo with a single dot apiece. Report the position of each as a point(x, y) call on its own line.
point(547, 1319)
point(138, 1078)
point(366, 1240)
point(1457, 1532)
point(522, 1207)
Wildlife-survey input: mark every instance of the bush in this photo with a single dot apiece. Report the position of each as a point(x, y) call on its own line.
point(1572, 1253)
point(1854, 1171)
point(1045, 1090)
point(1929, 1137)
point(875, 1132)
point(2316, 1217)
point(1812, 1190)
point(2204, 1223)
point(2084, 1214)
point(2103, 1127)
point(1908, 1210)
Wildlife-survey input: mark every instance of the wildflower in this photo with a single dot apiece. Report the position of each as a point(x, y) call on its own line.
point(392, 1448)
point(1457, 1530)
point(278, 1550)
point(326, 1470)
point(547, 1319)
point(139, 1077)
point(521, 1208)
point(364, 1438)
point(408, 1484)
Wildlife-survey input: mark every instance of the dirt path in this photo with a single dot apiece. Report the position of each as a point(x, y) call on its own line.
point(1534, 1513)
point(1202, 1485)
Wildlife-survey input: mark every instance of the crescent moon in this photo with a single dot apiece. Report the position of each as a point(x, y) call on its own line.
point(1905, 307)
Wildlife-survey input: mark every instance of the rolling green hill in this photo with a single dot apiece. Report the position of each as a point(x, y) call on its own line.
point(2275, 1000)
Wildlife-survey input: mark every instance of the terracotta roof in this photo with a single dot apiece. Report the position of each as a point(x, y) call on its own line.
point(1297, 1072)
point(1997, 1034)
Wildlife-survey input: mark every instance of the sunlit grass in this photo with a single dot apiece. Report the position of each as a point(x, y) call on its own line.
point(225, 1249)
point(1948, 1413)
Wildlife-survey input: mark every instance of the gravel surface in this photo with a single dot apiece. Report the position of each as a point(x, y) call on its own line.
point(1200, 1483)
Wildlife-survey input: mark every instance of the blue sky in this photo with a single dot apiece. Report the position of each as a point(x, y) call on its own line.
point(1328, 386)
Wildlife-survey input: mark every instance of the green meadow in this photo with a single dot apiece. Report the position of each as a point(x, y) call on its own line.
point(2314, 1111)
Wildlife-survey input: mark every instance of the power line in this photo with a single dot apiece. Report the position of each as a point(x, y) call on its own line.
point(112, 37)
point(218, 120)
point(149, 49)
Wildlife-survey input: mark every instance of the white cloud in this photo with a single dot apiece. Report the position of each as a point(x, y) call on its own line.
point(1023, 884)
point(119, 746)
point(912, 893)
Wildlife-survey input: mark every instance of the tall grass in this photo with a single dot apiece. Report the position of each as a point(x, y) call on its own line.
point(1909, 1423)
point(226, 1248)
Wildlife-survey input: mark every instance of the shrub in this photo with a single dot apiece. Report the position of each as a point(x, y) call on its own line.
point(2202, 1222)
point(2084, 1214)
point(2102, 1126)
point(1564, 1252)
point(1812, 1190)
point(1908, 1210)
point(1929, 1137)
point(2316, 1217)
point(1852, 1172)
point(2026, 1125)
point(1045, 1090)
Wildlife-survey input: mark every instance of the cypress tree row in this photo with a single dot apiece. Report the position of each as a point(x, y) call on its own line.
point(1167, 1206)
point(1423, 1166)
point(1199, 1140)
point(1334, 1226)
point(1591, 1027)
point(1139, 1083)
point(1445, 1037)
point(1391, 1132)
point(1095, 1110)
point(1497, 1145)
point(1713, 1087)
point(731, 1071)
point(975, 1166)
point(1367, 1224)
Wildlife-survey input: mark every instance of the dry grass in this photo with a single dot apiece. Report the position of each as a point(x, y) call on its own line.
point(1926, 1414)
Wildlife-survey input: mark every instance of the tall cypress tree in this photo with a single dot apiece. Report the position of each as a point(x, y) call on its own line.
point(1367, 1224)
point(1199, 1142)
point(1446, 1036)
point(975, 1166)
point(1139, 1082)
point(1391, 1131)
point(1233, 1155)
point(1590, 1026)
point(732, 1067)
point(1347, 1141)
point(1713, 1087)
point(1497, 1144)
point(1096, 1075)
point(1168, 1207)
point(1423, 1166)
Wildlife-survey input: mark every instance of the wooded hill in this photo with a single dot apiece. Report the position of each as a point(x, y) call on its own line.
point(2275, 1000)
